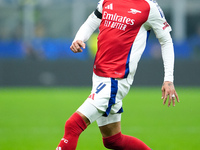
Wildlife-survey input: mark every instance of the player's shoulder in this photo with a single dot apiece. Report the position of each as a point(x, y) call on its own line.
point(156, 10)
point(99, 5)
point(100, 2)
point(152, 3)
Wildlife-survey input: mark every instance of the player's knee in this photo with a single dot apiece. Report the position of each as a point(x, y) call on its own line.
point(69, 125)
point(75, 125)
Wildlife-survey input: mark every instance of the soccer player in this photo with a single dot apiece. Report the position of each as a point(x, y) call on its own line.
point(124, 27)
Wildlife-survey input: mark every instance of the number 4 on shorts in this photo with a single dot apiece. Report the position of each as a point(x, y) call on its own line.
point(100, 87)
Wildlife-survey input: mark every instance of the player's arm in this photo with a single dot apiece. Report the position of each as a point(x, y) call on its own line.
point(84, 33)
point(162, 30)
point(86, 30)
point(168, 90)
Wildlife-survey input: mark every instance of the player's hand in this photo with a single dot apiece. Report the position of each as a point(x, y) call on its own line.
point(77, 46)
point(168, 91)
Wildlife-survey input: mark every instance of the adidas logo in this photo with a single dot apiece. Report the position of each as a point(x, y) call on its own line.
point(110, 6)
point(58, 148)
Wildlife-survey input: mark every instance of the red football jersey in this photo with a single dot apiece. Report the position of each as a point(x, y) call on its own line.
point(123, 32)
point(121, 22)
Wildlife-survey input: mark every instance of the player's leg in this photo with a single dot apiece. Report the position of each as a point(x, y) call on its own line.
point(76, 124)
point(88, 112)
point(110, 126)
point(114, 139)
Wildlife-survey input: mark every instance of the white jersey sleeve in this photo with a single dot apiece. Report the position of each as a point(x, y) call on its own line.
point(161, 28)
point(157, 20)
point(99, 6)
point(90, 25)
point(168, 57)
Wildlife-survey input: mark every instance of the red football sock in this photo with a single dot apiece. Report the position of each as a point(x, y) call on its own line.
point(124, 142)
point(74, 126)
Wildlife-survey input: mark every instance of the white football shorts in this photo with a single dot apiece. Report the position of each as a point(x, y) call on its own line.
point(104, 104)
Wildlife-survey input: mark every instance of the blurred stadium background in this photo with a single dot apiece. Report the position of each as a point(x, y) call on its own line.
point(35, 37)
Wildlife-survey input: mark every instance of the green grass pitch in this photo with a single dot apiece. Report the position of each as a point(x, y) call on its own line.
point(34, 118)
